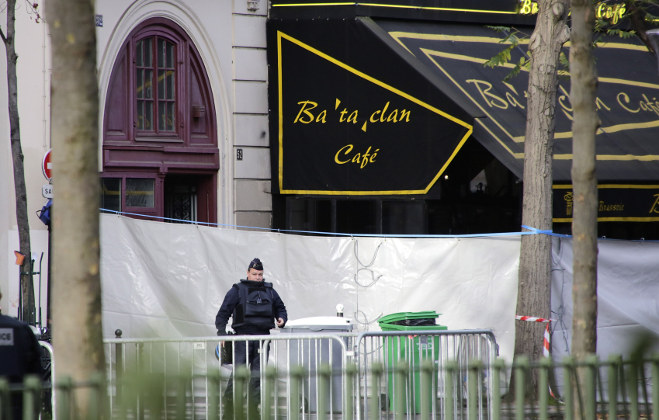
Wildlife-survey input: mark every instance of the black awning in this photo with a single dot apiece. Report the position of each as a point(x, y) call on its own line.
point(627, 97)
point(501, 12)
point(359, 107)
point(351, 116)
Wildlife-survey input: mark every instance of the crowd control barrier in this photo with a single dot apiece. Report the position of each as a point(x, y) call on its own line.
point(311, 373)
point(211, 366)
point(403, 356)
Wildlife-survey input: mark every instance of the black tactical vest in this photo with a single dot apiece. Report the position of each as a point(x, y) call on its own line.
point(256, 306)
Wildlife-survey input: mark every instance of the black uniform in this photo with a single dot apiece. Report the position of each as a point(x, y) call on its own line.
point(20, 355)
point(254, 306)
point(250, 317)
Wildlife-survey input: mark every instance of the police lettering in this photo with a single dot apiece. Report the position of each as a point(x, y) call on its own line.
point(6, 337)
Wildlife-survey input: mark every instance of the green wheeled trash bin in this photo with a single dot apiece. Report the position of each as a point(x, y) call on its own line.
point(410, 351)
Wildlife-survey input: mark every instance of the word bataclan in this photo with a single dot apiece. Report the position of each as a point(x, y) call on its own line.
point(308, 114)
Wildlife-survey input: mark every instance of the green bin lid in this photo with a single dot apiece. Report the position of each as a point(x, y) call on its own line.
point(394, 327)
point(401, 316)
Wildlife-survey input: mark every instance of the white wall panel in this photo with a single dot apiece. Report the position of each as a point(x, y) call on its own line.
point(254, 165)
point(249, 31)
point(254, 219)
point(250, 64)
point(251, 97)
point(253, 195)
point(251, 130)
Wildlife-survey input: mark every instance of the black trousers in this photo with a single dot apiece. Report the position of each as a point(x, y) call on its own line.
point(246, 353)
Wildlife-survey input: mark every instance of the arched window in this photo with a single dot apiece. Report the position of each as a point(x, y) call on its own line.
point(160, 154)
point(155, 86)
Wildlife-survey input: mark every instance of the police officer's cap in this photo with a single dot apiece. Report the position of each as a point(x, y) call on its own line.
point(256, 264)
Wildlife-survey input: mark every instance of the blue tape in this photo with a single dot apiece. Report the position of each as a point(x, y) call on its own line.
point(530, 230)
point(535, 231)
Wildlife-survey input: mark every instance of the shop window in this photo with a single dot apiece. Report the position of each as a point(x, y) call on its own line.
point(140, 192)
point(111, 194)
point(129, 194)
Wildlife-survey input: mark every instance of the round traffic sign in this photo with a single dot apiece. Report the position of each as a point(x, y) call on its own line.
point(47, 165)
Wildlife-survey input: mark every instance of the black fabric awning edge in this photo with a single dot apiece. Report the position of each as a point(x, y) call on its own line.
point(626, 148)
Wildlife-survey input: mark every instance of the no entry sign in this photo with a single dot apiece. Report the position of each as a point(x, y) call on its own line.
point(47, 165)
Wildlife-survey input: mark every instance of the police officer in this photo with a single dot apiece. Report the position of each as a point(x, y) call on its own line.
point(255, 306)
point(20, 355)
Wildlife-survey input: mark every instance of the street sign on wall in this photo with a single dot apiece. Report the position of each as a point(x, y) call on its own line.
point(47, 165)
point(47, 190)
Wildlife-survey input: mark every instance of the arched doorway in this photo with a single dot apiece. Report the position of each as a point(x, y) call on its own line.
point(160, 152)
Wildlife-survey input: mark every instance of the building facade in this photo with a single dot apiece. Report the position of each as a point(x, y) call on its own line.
point(183, 118)
point(321, 116)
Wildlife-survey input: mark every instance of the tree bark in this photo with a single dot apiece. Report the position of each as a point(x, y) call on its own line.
point(76, 299)
point(584, 180)
point(533, 297)
point(584, 184)
point(28, 312)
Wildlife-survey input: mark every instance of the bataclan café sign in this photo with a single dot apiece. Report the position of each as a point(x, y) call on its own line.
point(343, 131)
point(365, 107)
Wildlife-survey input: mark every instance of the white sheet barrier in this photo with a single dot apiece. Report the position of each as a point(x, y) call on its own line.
point(168, 280)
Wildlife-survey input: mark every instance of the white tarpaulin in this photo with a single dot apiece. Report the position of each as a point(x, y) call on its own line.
point(168, 280)
point(627, 296)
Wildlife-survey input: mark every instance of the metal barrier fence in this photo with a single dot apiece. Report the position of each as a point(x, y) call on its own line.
point(390, 375)
point(201, 360)
point(402, 390)
point(48, 365)
point(348, 393)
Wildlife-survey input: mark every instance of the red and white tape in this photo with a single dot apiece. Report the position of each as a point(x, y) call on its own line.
point(546, 341)
point(532, 318)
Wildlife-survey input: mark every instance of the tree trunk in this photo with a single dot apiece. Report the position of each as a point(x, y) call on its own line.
point(76, 299)
point(533, 297)
point(584, 184)
point(28, 313)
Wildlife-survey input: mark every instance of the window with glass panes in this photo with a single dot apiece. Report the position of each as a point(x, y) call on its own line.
point(128, 193)
point(155, 78)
